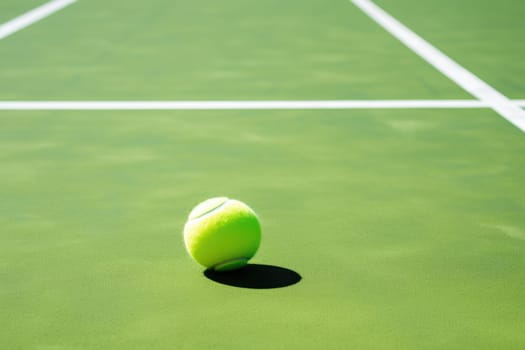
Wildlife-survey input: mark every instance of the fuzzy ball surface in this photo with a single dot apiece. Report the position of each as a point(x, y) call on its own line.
point(222, 234)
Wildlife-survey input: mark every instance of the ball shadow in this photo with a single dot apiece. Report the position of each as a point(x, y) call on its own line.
point(256, 276)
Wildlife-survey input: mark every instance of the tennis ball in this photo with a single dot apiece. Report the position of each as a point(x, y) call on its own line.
point(222, 234)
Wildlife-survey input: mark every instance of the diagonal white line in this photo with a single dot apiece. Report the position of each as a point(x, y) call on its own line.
point(238, 105)
point(32, 16)
point(465, 79)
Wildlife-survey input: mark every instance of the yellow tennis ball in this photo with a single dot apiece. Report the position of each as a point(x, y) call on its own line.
point(222, 234)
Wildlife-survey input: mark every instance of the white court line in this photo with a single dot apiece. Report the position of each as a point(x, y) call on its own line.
point(239, 105)
point(245, 105)
point(465, 79)
point(32, 16)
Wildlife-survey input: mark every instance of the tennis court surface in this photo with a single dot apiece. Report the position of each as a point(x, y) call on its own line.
point(382, 145)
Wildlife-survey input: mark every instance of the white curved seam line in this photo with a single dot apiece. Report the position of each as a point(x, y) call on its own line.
point(209, 213)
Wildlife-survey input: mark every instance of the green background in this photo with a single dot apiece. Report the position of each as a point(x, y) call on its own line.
point(406, 226)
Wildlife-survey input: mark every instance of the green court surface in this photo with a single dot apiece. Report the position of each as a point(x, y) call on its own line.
point(406, 226)
point(165, 50)
point(11, 9)
point(483, 36)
